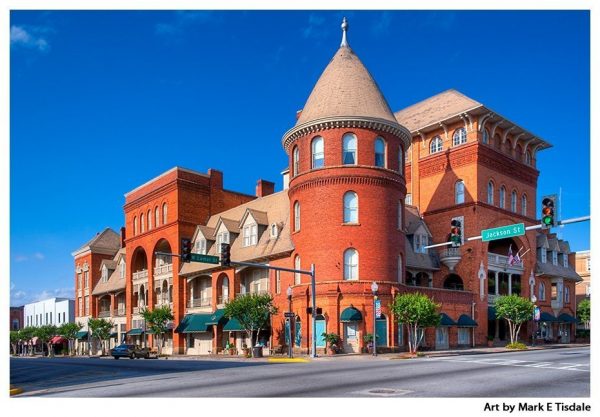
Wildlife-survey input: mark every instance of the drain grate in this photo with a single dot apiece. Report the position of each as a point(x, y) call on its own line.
point(383, 392)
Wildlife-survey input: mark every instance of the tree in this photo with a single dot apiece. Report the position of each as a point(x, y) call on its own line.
point(516, 310)
point(45, 333)
point(417, 311)
point(14, 340)
point(252, 311)
point(101, 329)
point(69, 331)
point(583, 312)
point(26, 335)
point(157, 320)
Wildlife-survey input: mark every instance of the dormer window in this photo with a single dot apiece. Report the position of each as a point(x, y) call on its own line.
point(201, 246)
point(554, 257)
point(250, 235)
point(460, 137)
point(274, 231)
point(104, 273)
point(565, 260)
point(543, 255)
point(222, 237)
point(436, 145)
point(420, 241)
point(122, 269)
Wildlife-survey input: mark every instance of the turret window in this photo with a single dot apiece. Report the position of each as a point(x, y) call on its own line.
point(350, 207)
point(436, 145)
point(295, 161)
point(502, 197)
point(380, 153)
point(318, 152)
point(459, 192)
point(349, 145)
point(296, 216)
point(351, 264)
point(490, 192)
point(459, 137)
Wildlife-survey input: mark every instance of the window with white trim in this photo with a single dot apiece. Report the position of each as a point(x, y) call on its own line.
point(297, 275)
point(200, 246)
point(122, 269)
point(250, 234)
point(222, 237)
point(350, 207)
point(349, 149)
point(502, 197)
point(459, 192)
point(513, 201)
point(350, 264)
point(296, 216)
point(436, 145)
point(567, 295)
point(490, 192)
point(543, 255)
point(408, 199)
point(274, 231)
point(554, 257)
point(565, 260)
point(295, 161)
point(459, 137)
point(86, 278)
point(380, 152)
point(104, 273)
point(318, 152)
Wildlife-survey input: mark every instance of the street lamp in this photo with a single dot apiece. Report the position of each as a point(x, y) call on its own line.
point(289, 318)
point(374, 288)
point(533, 300)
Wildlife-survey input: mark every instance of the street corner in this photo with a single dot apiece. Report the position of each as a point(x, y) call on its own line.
point(288, 360)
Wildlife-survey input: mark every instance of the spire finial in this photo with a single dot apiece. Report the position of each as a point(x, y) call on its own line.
point(345, 27)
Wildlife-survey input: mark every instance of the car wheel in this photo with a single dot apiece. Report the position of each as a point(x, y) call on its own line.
point(132, 356)
point(147, 356)
point(116, 357)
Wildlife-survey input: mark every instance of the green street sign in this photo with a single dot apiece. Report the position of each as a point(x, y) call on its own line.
point(503, 232)
point(207, 259)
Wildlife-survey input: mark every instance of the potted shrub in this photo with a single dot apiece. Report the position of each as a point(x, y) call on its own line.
point(368, 339)
point(246, 350)
point(230, 348)
point(332, 340)
point(490, 341)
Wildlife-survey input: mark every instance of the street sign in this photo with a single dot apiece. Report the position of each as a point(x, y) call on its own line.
point(503, 232)
point(286, 314)
point(207, 259)
point(378, 308)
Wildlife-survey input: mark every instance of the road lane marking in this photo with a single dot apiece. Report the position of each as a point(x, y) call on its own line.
point(519, 363)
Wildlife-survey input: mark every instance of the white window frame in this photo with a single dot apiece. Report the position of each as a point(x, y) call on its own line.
point(350, 207)
point(274, 230)
point(567, 295)
point(351, 264)
point(502, 197)
point(165, 213)
point(464, 336)
point(543, 255)
point(380, 141)
point(490, 192)
point(297, 216)
point(565, 260)
point(250, 234)
point(554, 257)
point(459, 192)
point(295, 161)
point(436, 145)
point(408, 199)
point(201, 246)
point(317, 147)
point(104, 273)
point(459, 137)
point(222, 237)
point(347, 140)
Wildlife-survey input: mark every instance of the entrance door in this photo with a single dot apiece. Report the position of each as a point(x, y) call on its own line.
point(320, 325)
point(441, 338)
point(351, 337)
point(565, 336)
point(381, 331)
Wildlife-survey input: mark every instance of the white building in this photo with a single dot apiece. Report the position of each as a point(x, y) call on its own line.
point(56, 311)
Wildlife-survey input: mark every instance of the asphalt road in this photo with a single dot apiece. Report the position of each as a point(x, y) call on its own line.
point(544, 374)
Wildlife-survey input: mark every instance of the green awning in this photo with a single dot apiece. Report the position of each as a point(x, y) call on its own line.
point(351, 314)
point(81, 335)
point(114, 334)
point(217, 317)
point(135, 332)
point(492, 313)
point(149, 331)
point(233, 326)
point(193, 323)
point(547, 317)
point(466, 321)
point(446, 320)
point(567, 318)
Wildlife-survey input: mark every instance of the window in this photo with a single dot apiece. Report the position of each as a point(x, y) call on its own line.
point(402, 159)
point(201, 246)
point(104, 273)
point(274, 230)
point(543, 253)
point(297, 275)
point(459, 192)
point(156, 217)
point(513, 201)
point(490, 192)
point(380, 153)
point(149, 219)
point(225, 290)
point(86, 276)
point(222, 237)
point(164, 212)
point(122, 269)
point(318, 152)
point(464, 336)
point(567, 295)
point(350, 207)
point(554, 292)
point(250, 235)
point(565, 260)
point(295, 161)
point(349, 145)
point(142, 223)
point(296, 216)
point(64, 320)
point(134, 225)
point(80, 310)
point(459, 137)
point(486, 137)
point(400, 274)
point(554, 257)
point(79, 281)
point(420, 241)
point(400, 215)
point(350, 264)
point(87, 305)
point(524, 205)
point(436, 145)
point(502, 197)
point(528, 158)
point(277, 282)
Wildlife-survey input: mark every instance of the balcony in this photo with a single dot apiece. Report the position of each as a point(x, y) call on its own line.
point(223, 299)
point(502, 261)
point(257, 292)
point(119, 311)
point(140, 275)
point(104, 313)
point(163, 270)
point(450, 257)
point(199, 302)
point(448, 296)
point(164, 303)
point(136, 310)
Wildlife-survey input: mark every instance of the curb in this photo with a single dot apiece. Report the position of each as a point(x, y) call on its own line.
point(15, 390)
point(288, 360)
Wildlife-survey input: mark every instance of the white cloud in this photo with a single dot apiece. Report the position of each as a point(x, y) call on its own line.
point(29, 37)
point(20, 297)
point(315, 28)
point(181, 20)
point(20, 258)
point(38, 255)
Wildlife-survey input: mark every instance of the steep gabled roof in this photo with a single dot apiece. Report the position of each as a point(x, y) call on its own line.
point(259, 216)
point(107, 241)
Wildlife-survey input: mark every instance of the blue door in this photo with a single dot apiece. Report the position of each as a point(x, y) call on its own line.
point(320, 325)
point(287, 332)
point(381, 331)
point(298, 326)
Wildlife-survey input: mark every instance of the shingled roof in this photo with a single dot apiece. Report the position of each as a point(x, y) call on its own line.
point(107, 241)
point(114, 282)
point(551, 242)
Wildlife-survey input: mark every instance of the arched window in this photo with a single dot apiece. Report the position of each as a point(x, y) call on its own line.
point(436, 145)
point(459, 192)
point(542, 292)
point(502, 196)
point(400, 265)
point(349, 144)
point(142, 223)
point(134, 225)
point(454, 282)
point(318, 152)
point(486, 137)
point(164, 209)
point(296, 216)
point(400, 215)
point(295, 161)
point(380, 153)
point(297, 265)
point(156, 217)
point(408, 199)
point(528, 158)
point(519, 153)
point(350, 264)
point(401, 160)
point(149, 219)
point(524, 205)
point(490, 192)
point(513, 201)
point(459, 137)
point(350, 207)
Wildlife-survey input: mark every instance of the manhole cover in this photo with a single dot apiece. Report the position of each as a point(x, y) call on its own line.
point(382, 391)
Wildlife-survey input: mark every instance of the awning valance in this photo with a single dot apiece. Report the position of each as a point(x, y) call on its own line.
point(466, 321)
point(57, 340)
point(135, 332)
point(81, 334)
point(446, 320)
point(547, 317)
point(350, 314)
point(114, 334)
point(217, 317)
point(567, 318)
point(233, 326)
point(193, 323)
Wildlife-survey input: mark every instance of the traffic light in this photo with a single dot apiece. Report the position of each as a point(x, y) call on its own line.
point(455, 233)
point(225, 254)
point(186, 250)
point(548, 212)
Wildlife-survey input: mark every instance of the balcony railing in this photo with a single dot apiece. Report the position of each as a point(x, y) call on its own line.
point(502, 260)
point(450, 296)
point(450, 257)
point(492, 298)
point(199, 302)
point(163, 269)
point(259, 292)
point(223, 299)
point(139, 275)
point(104, 313)
point(164, 303)
point(136, 310)
point(119, 311)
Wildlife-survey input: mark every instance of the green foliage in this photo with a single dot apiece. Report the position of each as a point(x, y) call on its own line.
point(100, 329)
point(331, 338)
point(583, 310)
point(516, 346)
point(416, 311)
point(69, 331)
point(157, 321)
point(14, 336)
point(368, 338)
point(45, 333)
point(515, 310)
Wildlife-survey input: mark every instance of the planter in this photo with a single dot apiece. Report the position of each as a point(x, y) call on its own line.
point(490, 343)
point(331, 351)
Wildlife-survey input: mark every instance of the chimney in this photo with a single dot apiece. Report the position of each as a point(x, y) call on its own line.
point(264, 188)
point(216, 178)
point(286, 178)
point(298, 113)
point(123, 237)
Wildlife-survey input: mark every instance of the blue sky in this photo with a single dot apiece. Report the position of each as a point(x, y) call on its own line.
point(103, 101)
